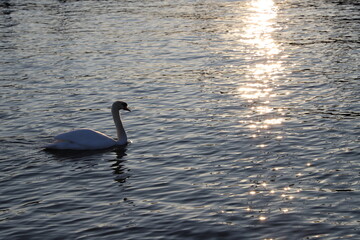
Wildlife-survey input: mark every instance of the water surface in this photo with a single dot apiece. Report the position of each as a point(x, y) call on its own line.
point(245, 121)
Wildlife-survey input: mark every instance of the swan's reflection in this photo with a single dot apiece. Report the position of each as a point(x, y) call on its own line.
point(119, 170)
point(90, 159)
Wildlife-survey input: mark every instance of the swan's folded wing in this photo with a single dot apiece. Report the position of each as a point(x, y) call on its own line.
point(88, 138)
point(64, 145)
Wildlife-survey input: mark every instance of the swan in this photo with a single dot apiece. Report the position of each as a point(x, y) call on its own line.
point(87, 139)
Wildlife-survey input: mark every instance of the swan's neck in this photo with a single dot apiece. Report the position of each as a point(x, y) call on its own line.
point(121, 134)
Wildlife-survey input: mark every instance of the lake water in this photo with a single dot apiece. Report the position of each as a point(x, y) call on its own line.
point(244, 123)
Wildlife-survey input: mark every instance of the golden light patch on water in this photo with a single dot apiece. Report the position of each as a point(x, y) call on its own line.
point(251, 92)
point(263, 109)
point(261, 145)
point(285, 210)
point(262, 218)
point(273, 121)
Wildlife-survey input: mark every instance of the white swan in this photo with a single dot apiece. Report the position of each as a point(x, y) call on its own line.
point(87, 139)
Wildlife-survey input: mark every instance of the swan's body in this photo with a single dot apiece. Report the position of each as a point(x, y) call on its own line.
point(87, 139)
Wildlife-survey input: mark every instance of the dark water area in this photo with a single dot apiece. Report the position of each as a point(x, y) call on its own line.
point(244, 123)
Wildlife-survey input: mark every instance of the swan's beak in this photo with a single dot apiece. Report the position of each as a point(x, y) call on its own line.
point(127, 109)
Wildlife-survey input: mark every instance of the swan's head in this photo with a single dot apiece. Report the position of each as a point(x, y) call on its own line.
point(118, 105)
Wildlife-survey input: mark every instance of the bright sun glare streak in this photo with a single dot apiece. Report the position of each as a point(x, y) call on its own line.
point(260, 27)
point(257, 36)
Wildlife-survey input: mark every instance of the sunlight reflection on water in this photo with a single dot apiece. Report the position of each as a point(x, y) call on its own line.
point(259, 90)
point(259, 27)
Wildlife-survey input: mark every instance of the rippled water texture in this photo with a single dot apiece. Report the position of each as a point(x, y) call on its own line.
point(245, 121)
